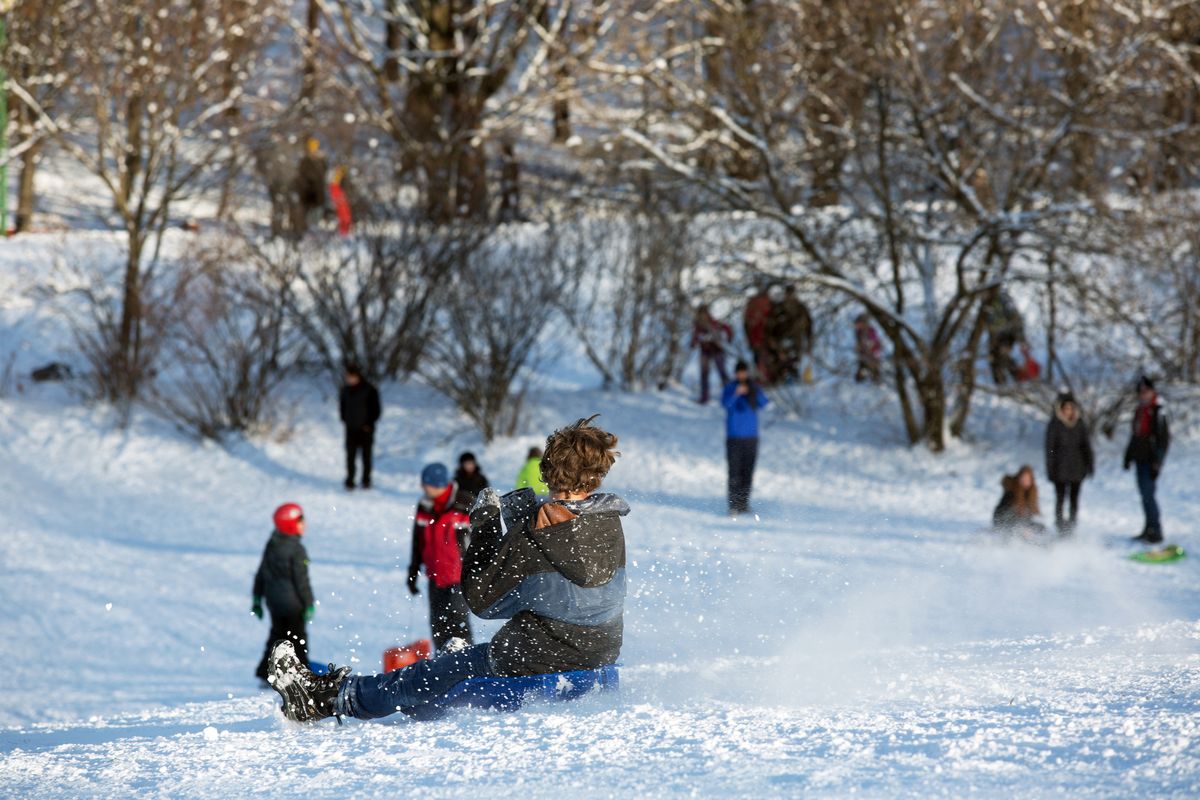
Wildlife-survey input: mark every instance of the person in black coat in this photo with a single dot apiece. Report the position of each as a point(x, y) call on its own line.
point(1069, 458)
point(469, 477)
point(1148, 442)
point(282, 581)
point(360, 410)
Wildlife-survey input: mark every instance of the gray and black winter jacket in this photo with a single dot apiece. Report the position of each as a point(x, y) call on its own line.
point(282, 576)
point(1069, 456)
point(556, 571)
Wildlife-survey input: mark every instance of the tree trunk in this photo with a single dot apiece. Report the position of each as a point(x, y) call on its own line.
point(911, 428)
point(124, 387)
point(308, 82)
point(392, 39)
point(25, 189)
point(931, 390)
point(966, 381)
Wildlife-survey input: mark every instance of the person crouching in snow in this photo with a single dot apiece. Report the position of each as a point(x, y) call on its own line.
point(1018, 507)
point(282, 580)
point(438, 540)
point(554, 569)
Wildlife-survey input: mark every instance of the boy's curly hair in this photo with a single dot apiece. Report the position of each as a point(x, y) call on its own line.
point(578, 457)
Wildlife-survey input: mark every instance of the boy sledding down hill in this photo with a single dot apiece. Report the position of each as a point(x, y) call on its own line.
point(1017, 511)
point(555, 570)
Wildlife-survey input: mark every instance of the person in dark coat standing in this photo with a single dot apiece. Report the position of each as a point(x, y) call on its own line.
point(742, 399)
point(469, 477)
point(1069, 458)
point(360, 410)
point(282, 582)
point(1149, 439)
point(555, 570)
point(439, 539)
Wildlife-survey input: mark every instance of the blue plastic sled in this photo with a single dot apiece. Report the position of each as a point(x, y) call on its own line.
point(508, 694)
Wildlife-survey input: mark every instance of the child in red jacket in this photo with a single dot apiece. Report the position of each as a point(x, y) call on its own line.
point(438, 542)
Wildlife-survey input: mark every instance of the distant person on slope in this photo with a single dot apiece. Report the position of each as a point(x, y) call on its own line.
point(754, 320)
point(1018, 509)
point(470, 477)
point(711, 336)
point(282, 581)
point(555, 570)
point(359, 406)
point(742, 399)
point(530, 476)
point(1069, 458)
point(439, 539)
point(867, 349)
point(1149, 439)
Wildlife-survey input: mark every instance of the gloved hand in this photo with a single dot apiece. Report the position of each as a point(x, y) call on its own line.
point(256, 609)
point(486, 506)
point(412, 582)
point(1154, 470)
point(309, 612)
point(1126, 465)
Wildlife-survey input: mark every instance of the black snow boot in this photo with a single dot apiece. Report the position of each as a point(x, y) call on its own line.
point(306, 697)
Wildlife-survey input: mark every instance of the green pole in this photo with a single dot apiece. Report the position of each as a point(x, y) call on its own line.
point(3, 128)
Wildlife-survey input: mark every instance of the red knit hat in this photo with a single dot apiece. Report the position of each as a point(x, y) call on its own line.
point(288, 518)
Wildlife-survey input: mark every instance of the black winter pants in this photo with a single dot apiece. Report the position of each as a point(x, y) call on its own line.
point(1064, 491)
point(285, 626)
point(741, 455)
point(359, 441)
point(448, 615)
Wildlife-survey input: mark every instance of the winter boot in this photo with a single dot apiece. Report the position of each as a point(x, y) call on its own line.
point(306, 697)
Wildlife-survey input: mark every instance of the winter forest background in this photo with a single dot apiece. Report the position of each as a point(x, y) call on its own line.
point(542, 194)
point(903, 159)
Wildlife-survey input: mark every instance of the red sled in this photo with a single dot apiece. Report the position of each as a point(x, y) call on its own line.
point(400, 657)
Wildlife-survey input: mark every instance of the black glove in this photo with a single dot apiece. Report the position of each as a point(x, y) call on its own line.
point(1154, 470)
point(412, 582)
point(1126, 465)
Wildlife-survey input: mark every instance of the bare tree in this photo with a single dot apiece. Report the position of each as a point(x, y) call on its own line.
point(440, 80)
point(370, 300)
point(226, 349)
point(944, 183)
point(489, 327)
point(631, 309)
point(155, 97)
point(40, 63)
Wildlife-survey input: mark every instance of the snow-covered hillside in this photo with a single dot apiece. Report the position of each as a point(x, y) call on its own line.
point(861, 636)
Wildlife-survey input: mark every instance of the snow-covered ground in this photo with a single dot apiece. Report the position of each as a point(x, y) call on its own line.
point(862, 636)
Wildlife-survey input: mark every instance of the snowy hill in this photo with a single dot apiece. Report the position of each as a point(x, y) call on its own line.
point(862, 636)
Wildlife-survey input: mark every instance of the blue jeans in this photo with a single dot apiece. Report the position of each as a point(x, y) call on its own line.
point(1146, 487)
point(374, 696)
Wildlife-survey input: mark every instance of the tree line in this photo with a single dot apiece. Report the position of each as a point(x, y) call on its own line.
point(907, 159)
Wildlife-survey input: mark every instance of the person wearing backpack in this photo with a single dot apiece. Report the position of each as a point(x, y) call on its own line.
point(439, 539)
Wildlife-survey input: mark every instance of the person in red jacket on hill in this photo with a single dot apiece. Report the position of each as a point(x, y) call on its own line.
point(438, 542)
point(282, 581)
point(711, 336)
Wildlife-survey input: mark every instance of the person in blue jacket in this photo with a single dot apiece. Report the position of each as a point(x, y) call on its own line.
point(742, 399)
